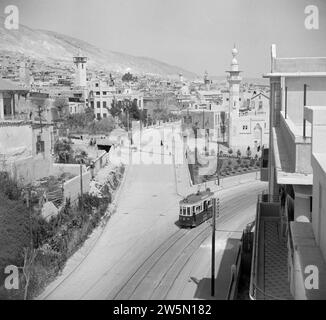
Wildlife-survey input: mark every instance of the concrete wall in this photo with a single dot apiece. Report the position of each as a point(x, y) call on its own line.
point(319, 206)
point(60, 168)
point(18, 151)
point(316, 95)
point(101, 161)
point(302, 209)
point(72, 186)
point(26, 170)
point(298, 153)
point(16, 137)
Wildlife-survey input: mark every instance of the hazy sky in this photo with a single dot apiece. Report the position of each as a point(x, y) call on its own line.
point(194, 34)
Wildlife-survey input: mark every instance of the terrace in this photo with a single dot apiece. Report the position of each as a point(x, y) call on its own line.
point(292, 150)
point(269, 272)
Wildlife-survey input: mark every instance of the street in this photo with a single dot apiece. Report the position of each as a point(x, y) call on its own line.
point(143, 254)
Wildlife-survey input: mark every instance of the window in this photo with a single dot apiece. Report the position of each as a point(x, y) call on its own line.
point(104, 93)
point(104, 115)
point(96, 85)
point(184, 211)
point(98, 116)
point(260, 104)
point(98, 104)
point(244, 127)
point(92, 104)
point(39, 145)
point(188, 211)
point(104, 104)
point(97, 93)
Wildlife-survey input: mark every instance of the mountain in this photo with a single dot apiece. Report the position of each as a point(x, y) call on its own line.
point(48, 45)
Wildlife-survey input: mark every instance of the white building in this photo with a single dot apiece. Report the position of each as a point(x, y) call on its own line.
point(248, 120)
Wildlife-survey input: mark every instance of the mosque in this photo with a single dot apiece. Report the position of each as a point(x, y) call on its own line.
point(248, 113)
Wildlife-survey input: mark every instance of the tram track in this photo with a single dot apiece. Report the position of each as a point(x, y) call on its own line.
point(186, 241)
point(173, 256)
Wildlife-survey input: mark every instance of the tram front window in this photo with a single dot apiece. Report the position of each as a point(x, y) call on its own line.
point(188, 211)
point(184, 211)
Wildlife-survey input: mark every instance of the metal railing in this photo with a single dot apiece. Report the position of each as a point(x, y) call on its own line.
point(268, 198)
point(254, 289)
point(254, 258)
point(235, 272)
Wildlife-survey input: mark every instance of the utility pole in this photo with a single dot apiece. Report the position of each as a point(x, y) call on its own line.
point(81, 184)
point(30, 217)
point(213, 249)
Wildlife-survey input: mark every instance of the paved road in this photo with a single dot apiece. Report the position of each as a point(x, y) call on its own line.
point(143, 254)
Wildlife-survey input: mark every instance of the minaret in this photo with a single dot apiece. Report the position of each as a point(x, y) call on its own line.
point(234, 80)
point(80, 65)
point(206, 81)
point(181, 77)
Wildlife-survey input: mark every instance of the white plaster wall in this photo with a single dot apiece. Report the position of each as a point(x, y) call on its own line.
point(16, 137)
point(319, 220)
point(316, 95)
point(302, 209)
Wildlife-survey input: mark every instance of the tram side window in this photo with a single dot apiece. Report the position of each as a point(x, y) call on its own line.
point(184, 211)
point(193, 209)
point(198, 209)
point(180, 210)
point(188, 211)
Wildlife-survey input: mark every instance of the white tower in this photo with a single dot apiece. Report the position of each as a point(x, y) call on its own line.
point(234, 80)
point(80, 65)
point(181, 77)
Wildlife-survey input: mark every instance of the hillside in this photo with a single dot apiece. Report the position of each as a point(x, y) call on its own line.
point(45, 45)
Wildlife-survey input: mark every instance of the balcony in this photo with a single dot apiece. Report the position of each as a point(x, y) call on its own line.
point(292, 152)
point(269, 272)
point(303, 252)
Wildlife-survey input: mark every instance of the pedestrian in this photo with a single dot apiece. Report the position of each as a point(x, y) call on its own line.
point(92, 169)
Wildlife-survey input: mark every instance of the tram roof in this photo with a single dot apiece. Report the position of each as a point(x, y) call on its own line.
point(196, 197)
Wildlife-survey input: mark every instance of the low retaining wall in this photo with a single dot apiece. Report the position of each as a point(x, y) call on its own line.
point(72, 187)
point(60, 168)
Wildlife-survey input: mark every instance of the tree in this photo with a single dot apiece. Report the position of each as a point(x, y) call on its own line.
point(127, 77)
point(63, 151)
point(222, 124)
point(103, 126)
point(61, 105)
point(116, 108)
point(80, 156)
point(134, 110)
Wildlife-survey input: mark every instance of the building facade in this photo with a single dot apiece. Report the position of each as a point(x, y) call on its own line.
point(248, 115)
point(290, 241)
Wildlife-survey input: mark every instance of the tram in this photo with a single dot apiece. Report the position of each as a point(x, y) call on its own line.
point(196, 208)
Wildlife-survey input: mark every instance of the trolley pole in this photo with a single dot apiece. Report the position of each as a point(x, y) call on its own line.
point(213, 250)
